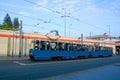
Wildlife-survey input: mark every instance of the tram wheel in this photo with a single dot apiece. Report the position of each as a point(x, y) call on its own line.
point(100, 56)
point(56, 58)
point(32, 58)
point(90, 56)
point(81, 57)
point(59, 58)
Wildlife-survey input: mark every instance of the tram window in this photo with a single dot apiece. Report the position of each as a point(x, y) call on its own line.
point(75, 47)
point(42, 45)
point(36, 44)
point(83, 48)
point(86, 47)
point(60, 46)
point(101, 48)
point(63, 46)
point(78, 47)
point(32, 45)
point(57, 46)
point(71, 47)
point(52, 46)
point(105, 48)
point(110, 49)
point(48, 45)
point(96, 48)
point(66, 46)
point(90, 48)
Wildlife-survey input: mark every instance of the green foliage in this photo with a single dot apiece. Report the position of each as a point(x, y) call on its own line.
point(5, 26)
point(8, 25)
point(16, 23)
point(8, 21)
point(0, 25)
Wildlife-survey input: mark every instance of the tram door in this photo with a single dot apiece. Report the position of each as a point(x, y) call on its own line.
point(73, 49)
point(118, 50)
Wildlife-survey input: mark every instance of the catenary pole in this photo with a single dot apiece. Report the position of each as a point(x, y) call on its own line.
point(21, 41)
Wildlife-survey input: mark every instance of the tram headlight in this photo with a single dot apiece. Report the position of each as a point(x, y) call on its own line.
point(31, 54)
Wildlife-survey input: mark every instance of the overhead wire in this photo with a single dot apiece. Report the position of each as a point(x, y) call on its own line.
point(72, 17)
point(7, 11)
point(44, 21)
point(35, 19)
point(43, 7)
point(37, 26)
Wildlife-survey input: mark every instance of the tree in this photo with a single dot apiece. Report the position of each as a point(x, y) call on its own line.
point(0, 26)
point(16, 24)
point(8, 21)
point(5, 26)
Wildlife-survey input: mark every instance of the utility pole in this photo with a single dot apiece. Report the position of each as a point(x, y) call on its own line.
point(90, 35)
point(64, 16)
point(13, 44)
point(69, 29)
point(21, 41)
point(109, 31)
point(82, 38)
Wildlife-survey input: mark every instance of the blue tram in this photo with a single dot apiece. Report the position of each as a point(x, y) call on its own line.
point(54, 50)
point(100, 51)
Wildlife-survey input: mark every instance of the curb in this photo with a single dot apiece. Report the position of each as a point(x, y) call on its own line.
point(14, 58)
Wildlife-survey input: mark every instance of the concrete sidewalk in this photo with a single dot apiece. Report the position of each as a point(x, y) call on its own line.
point(14, 58)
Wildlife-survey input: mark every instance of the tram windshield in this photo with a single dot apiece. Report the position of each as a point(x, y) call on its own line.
point(35, 44)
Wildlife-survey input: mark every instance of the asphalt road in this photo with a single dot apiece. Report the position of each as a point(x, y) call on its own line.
point(27, 70)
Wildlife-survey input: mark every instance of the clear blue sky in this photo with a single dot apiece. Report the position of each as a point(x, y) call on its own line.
point(85, 16)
